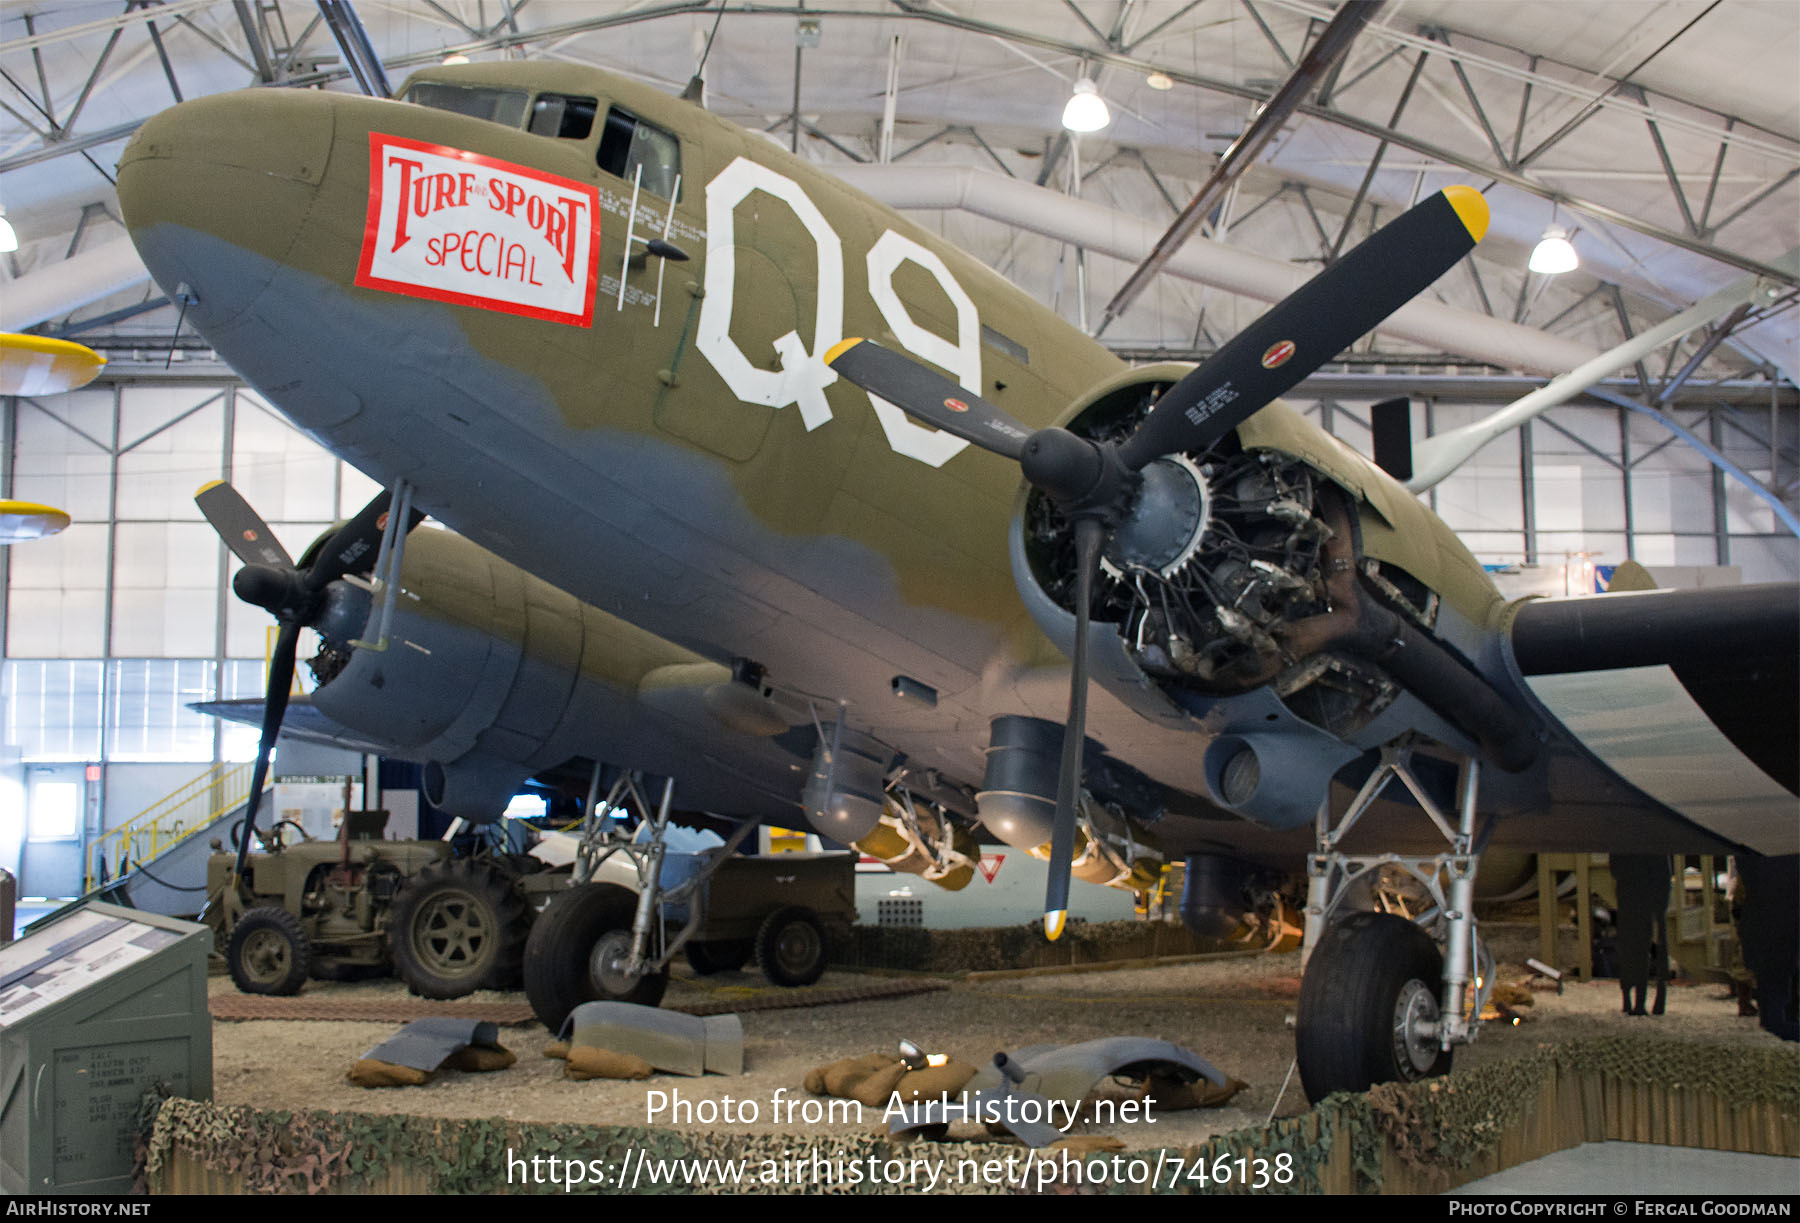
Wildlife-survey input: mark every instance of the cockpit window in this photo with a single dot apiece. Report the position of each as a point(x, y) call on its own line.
point(504, 106)
point(628, 144)
point(570, 118)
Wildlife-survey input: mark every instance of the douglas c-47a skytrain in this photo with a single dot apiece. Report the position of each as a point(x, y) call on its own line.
point(930, 549)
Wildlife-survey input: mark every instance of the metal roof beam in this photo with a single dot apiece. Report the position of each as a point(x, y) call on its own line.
point(1326, 51)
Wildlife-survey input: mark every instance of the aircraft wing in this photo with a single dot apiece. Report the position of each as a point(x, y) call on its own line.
point(1692, 697)
point(304, 723)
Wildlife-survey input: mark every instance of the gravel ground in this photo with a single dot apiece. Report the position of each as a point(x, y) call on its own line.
point(1233, 1012)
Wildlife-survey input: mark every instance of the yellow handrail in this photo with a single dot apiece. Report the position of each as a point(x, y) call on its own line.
point(168, 821)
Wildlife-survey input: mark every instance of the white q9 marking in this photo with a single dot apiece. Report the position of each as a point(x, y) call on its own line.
point(804, 375)
point(962, 358)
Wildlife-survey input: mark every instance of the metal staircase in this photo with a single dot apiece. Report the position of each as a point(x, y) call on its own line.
point(156, 860)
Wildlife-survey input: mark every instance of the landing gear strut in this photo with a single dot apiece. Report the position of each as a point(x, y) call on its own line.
point(1378, 1001)
point(602, 942)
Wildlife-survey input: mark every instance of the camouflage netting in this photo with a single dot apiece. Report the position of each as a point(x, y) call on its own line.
point(313, 1152)
point(1443, 1126)
point(1438, 1129)
point(1023, 946)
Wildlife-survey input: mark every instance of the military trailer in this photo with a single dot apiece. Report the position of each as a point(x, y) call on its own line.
point(632, 905)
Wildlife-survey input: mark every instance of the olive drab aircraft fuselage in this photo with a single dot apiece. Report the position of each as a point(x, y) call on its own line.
point(590, 324)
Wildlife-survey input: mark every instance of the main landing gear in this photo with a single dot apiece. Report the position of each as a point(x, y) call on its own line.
point(1379, 1001)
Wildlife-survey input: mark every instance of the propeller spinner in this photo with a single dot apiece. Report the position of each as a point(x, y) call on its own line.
point(1096, 484)
point(294, 596)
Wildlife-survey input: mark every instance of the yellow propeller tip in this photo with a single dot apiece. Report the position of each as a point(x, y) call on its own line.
point(1472, 207)
point(841, 347)
point(209, 484)
point(1053, 924)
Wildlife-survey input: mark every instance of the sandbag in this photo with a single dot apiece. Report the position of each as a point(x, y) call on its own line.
point(587, 1062)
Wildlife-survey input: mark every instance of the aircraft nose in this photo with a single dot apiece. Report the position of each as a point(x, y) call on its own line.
point(215, 191)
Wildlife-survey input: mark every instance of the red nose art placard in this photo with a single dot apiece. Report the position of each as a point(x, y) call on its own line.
point(454, 226)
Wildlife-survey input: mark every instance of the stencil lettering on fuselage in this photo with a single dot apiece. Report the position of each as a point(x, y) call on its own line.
point(450, 225)
point(803, 375)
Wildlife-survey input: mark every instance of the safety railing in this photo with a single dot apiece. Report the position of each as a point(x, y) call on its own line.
point(167, 822)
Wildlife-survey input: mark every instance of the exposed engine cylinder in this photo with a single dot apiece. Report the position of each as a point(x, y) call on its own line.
point(1237, 590)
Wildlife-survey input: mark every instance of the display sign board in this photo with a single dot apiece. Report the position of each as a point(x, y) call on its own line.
point(97, 1009)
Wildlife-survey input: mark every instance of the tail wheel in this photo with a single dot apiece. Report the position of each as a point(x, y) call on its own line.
point(269, 952)
point(577, 953)
point(1369, 1007)
point(457, 928)
point(790, 947)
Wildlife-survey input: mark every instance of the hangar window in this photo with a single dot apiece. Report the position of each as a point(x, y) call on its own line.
point(629, 143)
point(504, 106)
point(555, 114)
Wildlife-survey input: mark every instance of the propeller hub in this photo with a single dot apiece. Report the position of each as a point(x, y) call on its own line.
point(268, 587)
point(1167, 518)
point(1083, 478)
point(1063, 466)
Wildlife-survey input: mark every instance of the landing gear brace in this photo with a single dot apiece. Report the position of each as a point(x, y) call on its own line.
point(651, 949)
point(1372, 1007)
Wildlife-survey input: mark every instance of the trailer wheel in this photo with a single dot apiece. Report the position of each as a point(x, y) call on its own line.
point(577, 951)
point(719, 955)
point(1369, 1007)
point(790, 947)
point(269, 952)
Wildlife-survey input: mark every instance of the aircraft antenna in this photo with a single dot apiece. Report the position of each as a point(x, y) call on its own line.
point(696, 87)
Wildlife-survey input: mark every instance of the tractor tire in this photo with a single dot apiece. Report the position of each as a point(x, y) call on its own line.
point(1373, 981)
point(268, 952)
point(719, 955)
point(576, 950)
point(456, 928)
point(790, 947)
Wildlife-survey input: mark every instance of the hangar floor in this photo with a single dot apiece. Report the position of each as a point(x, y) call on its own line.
point(1233, 1012)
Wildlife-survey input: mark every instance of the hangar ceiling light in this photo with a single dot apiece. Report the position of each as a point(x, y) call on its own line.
point(1554, 253)
point(1087, 110)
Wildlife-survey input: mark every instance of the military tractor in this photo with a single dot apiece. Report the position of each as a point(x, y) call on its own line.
point(349, 907)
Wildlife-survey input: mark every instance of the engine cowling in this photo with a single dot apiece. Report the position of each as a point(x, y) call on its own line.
point(1238, 597)
point(490, 676)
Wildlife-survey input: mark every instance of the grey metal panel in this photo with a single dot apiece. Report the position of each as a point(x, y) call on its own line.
point(424, 1044)
point(1069, 1072)
point(680, 1044)
point(100, 1007)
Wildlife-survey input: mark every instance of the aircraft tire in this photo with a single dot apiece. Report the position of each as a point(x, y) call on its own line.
point(790, 947)
point(719, 955)
point(457, 928)
point(1372, 977)
point(268, 952)
point(573, 953)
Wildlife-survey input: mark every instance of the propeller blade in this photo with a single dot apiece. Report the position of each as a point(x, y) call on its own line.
point(281, 681)
point(353, 548)
point(241, 527)
point(1319, 320)
point(1089, 534)
point(920, 391)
